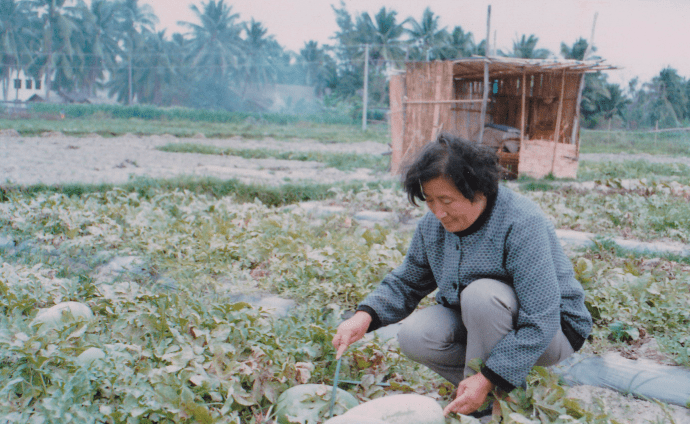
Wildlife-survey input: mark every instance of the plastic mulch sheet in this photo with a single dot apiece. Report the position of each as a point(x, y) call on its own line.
point(641, 378)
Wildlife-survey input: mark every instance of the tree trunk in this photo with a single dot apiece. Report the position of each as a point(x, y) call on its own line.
point(49, 48)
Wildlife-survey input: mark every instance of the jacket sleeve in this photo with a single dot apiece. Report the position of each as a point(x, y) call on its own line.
point(402, 289)
point(530, 262)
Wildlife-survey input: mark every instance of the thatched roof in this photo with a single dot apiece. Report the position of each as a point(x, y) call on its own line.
point(473, 67)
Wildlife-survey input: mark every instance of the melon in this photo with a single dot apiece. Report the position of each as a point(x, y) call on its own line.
point(89, 355)
point(397, 409)
point(64, 312)
point(354, 419)
point(310, 403)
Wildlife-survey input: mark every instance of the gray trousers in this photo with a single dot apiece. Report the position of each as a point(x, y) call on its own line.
point(446, 339)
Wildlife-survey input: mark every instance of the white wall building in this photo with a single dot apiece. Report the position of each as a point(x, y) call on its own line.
point(21, 88)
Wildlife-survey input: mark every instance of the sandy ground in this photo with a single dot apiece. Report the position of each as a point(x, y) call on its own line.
point(55, 159)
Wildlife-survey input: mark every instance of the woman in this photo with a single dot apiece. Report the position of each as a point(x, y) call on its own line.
point(506, 290)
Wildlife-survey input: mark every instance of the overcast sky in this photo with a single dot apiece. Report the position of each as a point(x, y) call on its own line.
point(640, 36)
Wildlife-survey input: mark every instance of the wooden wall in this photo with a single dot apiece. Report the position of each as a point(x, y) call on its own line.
point(422, 106)
point(428, 82)
point(537, 159)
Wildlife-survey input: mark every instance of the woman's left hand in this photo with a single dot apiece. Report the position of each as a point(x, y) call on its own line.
point(471, 394)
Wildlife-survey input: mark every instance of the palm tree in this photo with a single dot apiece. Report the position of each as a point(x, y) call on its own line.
point(102, 42)
point(525, 48)
point(577, 51)
point(459, 44)
point(672, 88)
point(320, 67)
point(134, 20)
point(152, 71)
point(62, 39)
point(385, 36)
point(257, 67)
point(18, 38)
point(215, 44)
point(155, 68)
point(426, 36)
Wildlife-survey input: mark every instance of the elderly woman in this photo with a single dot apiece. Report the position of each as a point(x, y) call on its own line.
point(506, 290)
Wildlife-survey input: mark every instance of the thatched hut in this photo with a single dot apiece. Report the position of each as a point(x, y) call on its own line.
point(531, 118)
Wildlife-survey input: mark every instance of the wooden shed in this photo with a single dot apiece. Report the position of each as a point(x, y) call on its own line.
point(531, 118)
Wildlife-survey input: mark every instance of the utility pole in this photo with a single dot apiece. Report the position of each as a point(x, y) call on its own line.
point(365, 96)
point(129, 80)
point(576, 123)
point(485, 98)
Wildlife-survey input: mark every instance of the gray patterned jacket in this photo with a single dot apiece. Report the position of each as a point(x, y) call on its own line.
point(516, 243)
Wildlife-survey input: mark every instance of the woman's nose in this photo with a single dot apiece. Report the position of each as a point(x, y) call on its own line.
point(440, 213)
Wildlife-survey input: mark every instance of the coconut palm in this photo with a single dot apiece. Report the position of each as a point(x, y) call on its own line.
point(102, 42)
point(215, 45)
point(320, 68)
point(426, 37)
point(385, 33)
point(155, 68)
point(256, 66)
point(526, 48)
point(577, 51)
point(19, 36)
point(152, 70)
point(61, 43)
point(135, 20)
point(458, 44)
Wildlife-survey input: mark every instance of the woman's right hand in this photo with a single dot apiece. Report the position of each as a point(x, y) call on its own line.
point(350, 331)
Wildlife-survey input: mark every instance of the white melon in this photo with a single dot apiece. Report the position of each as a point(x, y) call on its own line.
point(57, 315)
point(398, 409)
point(309, 403)
point(89, 355)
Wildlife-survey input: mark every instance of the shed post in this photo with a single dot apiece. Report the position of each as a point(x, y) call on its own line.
point(524, 105)
point(396, 89)
point(558, 123)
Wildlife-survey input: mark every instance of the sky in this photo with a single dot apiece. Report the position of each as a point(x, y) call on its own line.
point(641, 37)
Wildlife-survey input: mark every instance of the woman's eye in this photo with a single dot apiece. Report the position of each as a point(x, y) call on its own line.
point(447, 201)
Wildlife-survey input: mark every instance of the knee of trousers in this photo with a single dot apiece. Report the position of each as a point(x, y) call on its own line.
point(427, 334)
point(411, 338)
point(486, 298)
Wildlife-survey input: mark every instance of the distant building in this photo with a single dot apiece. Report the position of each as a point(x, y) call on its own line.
point(21, 88)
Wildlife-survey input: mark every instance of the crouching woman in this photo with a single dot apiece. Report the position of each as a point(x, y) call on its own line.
point(506, 290)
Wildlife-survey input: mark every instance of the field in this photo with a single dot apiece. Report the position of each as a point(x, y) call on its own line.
point(176, 345)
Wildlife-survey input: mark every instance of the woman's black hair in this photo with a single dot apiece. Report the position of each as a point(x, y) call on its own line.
point(473, 168)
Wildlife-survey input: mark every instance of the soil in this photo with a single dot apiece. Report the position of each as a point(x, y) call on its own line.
point(58, 159)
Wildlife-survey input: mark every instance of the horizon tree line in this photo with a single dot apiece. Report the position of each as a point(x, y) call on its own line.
point(221, 59)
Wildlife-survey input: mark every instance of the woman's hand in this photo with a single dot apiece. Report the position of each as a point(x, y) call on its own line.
point(350, 331)
point(471, 394)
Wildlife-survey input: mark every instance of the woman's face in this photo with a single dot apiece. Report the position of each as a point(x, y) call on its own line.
point(455, 212)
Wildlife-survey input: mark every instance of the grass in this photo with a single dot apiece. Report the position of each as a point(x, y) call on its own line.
point(607, 170)
point(589, 170)
point(668, 143)
point(341, 161)
point(149, 112)
point(148, 187)
point(250, 129)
